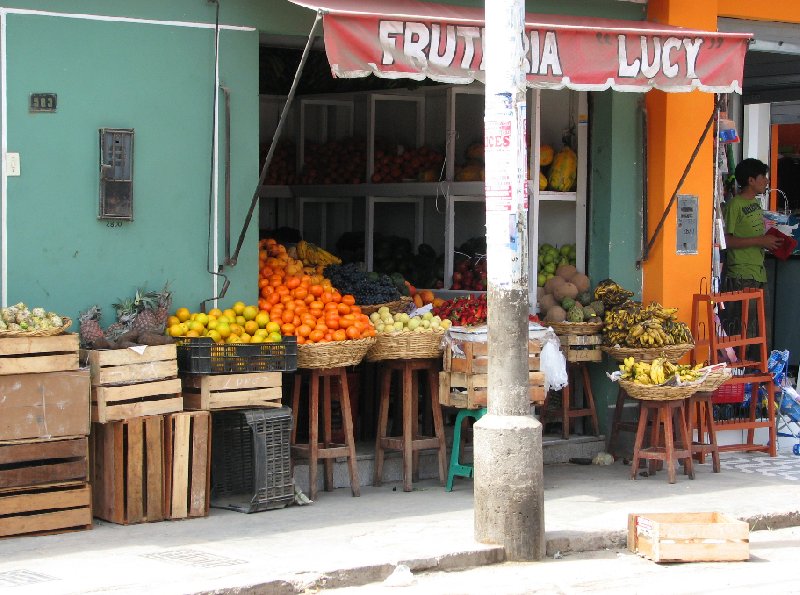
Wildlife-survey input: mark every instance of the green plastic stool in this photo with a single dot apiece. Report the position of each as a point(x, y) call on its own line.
point(456, 468)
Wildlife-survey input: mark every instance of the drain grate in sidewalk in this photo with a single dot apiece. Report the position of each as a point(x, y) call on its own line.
point(194, 558)
point(19, 578)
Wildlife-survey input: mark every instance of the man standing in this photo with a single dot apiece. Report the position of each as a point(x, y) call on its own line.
point(746, 241)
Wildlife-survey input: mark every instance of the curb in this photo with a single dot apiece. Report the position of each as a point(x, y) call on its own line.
point(364, 575)
point(557, 542)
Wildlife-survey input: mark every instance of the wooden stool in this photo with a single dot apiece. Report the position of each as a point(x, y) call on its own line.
point(328, 451)
point(665, 413)
point(617, 425)
point(410, 442)
point(570, 411)
point(457, 468)
point(700, 417)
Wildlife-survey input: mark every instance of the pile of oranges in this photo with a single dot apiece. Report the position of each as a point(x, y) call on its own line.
point(306, 306)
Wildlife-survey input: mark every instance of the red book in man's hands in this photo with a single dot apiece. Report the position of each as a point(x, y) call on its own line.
point(787, 246)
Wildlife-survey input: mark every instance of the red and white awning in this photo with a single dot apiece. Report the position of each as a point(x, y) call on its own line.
point(418, 40)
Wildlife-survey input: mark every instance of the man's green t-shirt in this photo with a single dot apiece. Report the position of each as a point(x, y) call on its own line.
point(744, 218)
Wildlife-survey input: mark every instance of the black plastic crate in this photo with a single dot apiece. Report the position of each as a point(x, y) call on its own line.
point(200, 355)
point(251, 467)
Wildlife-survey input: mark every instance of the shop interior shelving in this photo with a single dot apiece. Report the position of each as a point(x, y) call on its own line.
point(450, 118)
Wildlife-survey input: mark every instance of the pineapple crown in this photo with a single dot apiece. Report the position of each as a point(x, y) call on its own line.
point(161, 298)
point(91, 313)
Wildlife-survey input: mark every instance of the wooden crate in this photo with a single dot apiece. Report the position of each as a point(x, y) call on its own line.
point(224, 391)
point(476, 357)
point(187, 443)
point(128, 470)
point(31, 355)
point(45, 510)
point(128, 384)
point(469, 391)
point(45, 405)
point(38, 462)
point(689, 537)
point(581, 348)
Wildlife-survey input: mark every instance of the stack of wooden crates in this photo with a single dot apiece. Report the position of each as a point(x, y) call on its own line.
point(150, 460)
point(241, 386)
point(44, 428)
point(465, 379)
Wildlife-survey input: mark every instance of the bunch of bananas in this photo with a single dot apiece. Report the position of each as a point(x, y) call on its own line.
point(611, 293)
point(635, 325)
point(659, 371)
point(312, 255)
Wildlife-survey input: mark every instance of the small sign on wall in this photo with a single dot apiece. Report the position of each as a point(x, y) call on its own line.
point(687, 224)
point(43, 102)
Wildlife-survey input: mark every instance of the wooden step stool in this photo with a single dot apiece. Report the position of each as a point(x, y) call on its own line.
point(410, 442)
point(666, 413)
point(327, 451)
point(569, 410)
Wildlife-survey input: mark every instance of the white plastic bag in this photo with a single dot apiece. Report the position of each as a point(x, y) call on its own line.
point(400, 577)
point(554, 365)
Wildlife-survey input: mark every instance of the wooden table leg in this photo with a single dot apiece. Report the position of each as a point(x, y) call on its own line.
point(637, 444)
point(326, 431)
point(669, 441)
point(589, 397)
point(383, 423)
point(415, 398)
point(408, 431)
point(349, 439)
point(438, 424)
point(298, 382)
point(680, 419)
point(566, 401)
point(313, 434)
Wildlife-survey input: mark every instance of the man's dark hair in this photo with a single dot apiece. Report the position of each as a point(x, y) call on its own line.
point(749, 168)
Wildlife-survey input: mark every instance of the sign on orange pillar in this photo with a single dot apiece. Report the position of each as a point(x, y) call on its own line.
point(675, 124)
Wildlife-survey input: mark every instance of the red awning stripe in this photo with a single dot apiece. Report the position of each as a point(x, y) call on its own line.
point(416, 40)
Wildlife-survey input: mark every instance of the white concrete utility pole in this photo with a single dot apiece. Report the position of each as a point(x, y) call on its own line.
point(509, 495)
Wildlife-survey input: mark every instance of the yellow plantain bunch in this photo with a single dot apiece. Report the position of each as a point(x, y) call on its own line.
point(312, 255)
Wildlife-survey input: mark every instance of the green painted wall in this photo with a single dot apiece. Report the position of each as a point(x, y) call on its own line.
point(158, 80)
point(615, 209)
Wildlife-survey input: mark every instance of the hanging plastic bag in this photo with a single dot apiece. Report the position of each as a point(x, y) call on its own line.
point(553, 364)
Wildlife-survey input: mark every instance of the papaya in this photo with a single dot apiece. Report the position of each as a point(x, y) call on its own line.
point(545, 155)
point(563, 171)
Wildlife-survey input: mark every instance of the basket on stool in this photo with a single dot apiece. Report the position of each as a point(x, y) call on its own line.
point(251, 459)
point(335, 354)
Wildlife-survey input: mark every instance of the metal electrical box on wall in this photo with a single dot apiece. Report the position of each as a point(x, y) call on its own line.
point(116, 174)
point(687, 224)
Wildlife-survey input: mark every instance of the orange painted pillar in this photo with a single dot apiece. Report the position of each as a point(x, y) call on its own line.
point(675, 122)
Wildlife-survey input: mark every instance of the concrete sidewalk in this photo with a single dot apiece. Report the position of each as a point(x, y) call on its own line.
point(344, 541)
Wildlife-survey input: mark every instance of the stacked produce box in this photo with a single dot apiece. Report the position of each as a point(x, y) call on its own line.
point(231, 363)
point(44, 426)
point(142, 444)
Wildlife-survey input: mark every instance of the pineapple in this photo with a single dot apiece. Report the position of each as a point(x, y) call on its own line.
point(155, 311)
point(126, 311)
point(90, 330)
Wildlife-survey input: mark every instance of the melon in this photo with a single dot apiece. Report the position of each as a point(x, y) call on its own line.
point(555, 314)
point(546, 302)
point(553, 282)
point(565, 290)
point(580, 281)
point(566, 271)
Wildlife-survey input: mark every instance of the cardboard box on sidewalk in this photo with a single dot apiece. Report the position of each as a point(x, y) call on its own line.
point(689, 537)
point(44, 405)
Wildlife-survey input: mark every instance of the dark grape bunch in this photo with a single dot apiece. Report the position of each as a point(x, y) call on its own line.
point(367, 288)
